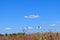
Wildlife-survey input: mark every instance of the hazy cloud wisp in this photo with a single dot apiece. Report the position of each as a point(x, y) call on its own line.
point(8, 28)
point(32, 16)
point(52, 24)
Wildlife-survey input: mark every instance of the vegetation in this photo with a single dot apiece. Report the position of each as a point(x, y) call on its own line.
point(36, 36)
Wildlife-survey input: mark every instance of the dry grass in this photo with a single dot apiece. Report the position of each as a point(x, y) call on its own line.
point(36, 36)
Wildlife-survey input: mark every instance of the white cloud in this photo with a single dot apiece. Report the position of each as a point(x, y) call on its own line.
point(52, 24)
point(30, 28)
point(8, 28)
point(32, 16)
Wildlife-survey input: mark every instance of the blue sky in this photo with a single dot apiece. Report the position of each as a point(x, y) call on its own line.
point(18, 14)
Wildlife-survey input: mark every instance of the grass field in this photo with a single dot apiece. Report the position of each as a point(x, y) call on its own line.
point(35, 36)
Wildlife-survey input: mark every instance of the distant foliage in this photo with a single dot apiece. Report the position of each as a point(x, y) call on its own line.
point(36, 36)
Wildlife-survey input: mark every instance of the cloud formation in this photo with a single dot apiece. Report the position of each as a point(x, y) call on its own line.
point(32, 16)
point(52, 24)
point(30, 28)
point(8, 28)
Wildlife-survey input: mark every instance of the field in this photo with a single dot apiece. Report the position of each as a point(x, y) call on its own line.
point(35, 36)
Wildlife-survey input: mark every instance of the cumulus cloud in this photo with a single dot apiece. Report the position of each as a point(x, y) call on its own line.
point(8, 28)
point(52, 24)
point(32, 16)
